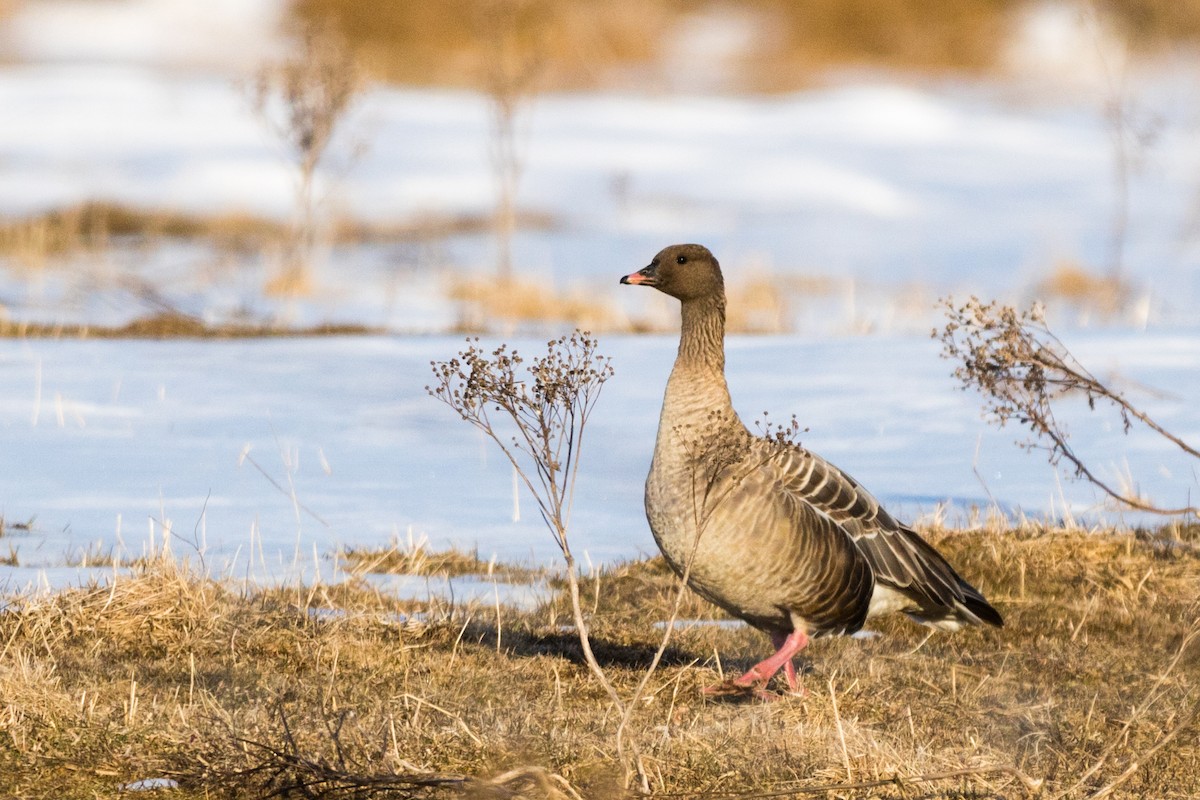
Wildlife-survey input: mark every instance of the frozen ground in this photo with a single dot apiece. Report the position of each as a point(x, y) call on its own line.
point(266, 456)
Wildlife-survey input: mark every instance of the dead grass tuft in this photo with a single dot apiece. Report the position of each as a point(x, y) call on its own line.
point(757, 305)
point(415, 558)
point(36, 241)
point(290, 282)
point(44, 239)
point(1090, 690)
point(488, 303)
point(446, 42)
point(1103, 294)
point(170, 325)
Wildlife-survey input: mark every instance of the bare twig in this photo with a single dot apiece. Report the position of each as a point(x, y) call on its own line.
point(542, 416)
point(1021, 368)
point(449, 715)
point(510, 82)
point(304, 99)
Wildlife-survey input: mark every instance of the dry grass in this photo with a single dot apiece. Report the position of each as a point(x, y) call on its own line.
point(491, 303)
point(37, 241)
point(236, 694)
point(415, 558)
point(46, 238)
point(447, 42)
point(170, 325)
point(758, 305)
point(1105, 295)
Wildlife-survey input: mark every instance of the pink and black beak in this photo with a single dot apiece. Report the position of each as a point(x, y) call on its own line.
point(647, 276)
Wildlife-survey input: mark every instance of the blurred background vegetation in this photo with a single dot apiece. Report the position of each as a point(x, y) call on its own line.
point(453, 42)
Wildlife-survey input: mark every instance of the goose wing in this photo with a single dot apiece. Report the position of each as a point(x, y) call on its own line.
point(899, 558)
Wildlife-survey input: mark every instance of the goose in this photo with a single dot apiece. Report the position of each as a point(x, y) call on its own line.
point(761, 527)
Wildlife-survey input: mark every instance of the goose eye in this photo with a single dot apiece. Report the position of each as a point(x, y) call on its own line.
point(681, 260)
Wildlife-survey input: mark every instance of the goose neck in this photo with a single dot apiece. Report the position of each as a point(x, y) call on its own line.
point(702, 335)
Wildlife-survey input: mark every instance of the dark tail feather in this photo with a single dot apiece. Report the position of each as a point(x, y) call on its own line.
point(939, 568)
point(979, 607)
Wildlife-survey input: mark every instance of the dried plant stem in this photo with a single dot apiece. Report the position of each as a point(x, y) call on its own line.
point(585, 641)
point(547, 409)
point(304, 99)
point(1022, 369)
point(837, 716)
point(449, 715)
point(627, 714)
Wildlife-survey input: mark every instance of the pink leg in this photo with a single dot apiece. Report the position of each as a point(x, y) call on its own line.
point(760, 673)
point(778, 640)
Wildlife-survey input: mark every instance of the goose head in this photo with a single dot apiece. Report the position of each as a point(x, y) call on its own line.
point(684, 271)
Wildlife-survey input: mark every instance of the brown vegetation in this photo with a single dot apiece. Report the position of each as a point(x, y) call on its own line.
point(37, 240)
point(1105, 295)
point(446, 42)
point(1024, 372)
point(490, 303)
point(42, 239)
point(238, 693)
point(169, 325)
point(416, 558)
point(303, 100)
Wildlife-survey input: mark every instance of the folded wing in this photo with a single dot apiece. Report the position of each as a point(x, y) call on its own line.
point(920, 579)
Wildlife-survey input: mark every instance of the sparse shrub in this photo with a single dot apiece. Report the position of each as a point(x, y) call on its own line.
point(538, 420)
point(512, 70)
point(304, 99)
point(1022, 370)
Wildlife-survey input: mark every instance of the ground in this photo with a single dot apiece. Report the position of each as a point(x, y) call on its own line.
point(238, 692)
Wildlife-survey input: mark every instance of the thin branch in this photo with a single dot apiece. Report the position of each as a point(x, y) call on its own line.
point(549, 410)
point(1022, 369)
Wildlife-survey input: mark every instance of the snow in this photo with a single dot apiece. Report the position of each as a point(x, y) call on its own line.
point(218, 34)
point(948, 186)
point(262, 458)
point(265, 457)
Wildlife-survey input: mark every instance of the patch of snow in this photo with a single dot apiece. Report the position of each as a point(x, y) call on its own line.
point(218, 35)
point(149, 785)
point(262, 458)
point(1068, 42)
point(951, 188)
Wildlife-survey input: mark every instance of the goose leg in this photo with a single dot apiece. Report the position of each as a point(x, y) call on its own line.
point(778, 641)
point(757, 676)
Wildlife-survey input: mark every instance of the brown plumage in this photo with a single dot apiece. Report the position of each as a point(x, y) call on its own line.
point(763, 528)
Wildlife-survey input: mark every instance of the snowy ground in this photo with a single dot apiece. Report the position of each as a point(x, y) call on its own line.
point(886, 185)
point(877, 184)
point(105, 442)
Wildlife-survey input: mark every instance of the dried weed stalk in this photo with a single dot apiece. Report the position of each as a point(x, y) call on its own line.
point(511, 30)
point(537, 416)
point(283, 770)
point(1022, 370)
point(304, 99)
